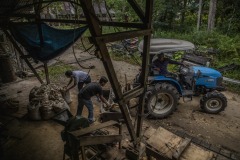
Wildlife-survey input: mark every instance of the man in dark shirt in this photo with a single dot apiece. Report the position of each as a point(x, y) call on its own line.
point(161, 63)
point(85, 94)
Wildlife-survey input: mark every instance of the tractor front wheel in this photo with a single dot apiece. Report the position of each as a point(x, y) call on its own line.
point(213, 102)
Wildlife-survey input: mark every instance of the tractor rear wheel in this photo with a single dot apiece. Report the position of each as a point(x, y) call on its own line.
point(213, 102)
point(162, 101)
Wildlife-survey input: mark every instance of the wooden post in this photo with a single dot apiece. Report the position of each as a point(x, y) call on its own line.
point(46, 72)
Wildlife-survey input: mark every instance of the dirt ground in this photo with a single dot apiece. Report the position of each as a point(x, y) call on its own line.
point(222, 129)
point(42, 140)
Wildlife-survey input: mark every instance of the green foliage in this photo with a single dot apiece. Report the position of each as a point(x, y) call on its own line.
point(124, 11)
point(178, 55)
point(228, 47)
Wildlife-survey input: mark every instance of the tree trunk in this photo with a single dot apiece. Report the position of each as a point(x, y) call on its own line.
point(183, 12)
point(211, 15)
point(199, 14)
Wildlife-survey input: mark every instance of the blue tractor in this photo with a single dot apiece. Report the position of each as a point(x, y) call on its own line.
point(165, 91)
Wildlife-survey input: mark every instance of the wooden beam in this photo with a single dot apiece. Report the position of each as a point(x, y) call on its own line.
point(90, 129)
point(123, 24)
point(103, 23)
point(185, 143)
point(145, 64)
point(46, 72)
point(133, 93)
point(112, 37)
point(94, 140)
point(95, 31)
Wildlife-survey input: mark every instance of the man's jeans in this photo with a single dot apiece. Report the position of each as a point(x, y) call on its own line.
point(88, 104)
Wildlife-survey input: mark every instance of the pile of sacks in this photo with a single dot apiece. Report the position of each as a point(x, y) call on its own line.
point(45, 102)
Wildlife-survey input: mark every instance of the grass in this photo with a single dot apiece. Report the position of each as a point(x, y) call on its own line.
point(56, 72)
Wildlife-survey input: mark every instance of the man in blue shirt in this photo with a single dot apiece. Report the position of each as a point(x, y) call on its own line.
point(161, 63)
point(78, 77)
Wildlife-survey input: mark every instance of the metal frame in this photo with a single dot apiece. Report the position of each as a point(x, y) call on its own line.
point(142, 28)
point(100, 41)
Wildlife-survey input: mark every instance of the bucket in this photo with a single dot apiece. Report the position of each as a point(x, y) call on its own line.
point(67, 97)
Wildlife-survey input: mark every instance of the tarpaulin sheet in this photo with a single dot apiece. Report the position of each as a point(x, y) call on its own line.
point(55, 41)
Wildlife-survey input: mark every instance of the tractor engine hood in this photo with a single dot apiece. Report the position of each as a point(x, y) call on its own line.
point(205, 71)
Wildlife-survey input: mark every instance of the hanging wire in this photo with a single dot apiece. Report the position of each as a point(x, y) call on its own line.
point(87, 49)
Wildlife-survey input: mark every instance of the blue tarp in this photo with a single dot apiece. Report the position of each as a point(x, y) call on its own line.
point(55, 41)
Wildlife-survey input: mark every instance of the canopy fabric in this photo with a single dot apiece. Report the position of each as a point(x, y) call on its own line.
point(55, 41)
point(161, 45)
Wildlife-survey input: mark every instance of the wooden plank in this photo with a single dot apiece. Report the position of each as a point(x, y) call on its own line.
point(149, 132)
point(112, 37)
point(194, 152)
point(185, 143)
point(92, 128)
point(94, 140)
point(167, 144)
point(164, 141)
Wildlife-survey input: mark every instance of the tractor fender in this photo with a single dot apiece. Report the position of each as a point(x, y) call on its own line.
point(161, 79)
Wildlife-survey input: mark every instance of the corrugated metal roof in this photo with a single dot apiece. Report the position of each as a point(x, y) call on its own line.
point(8, 7)
point(12, 10)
